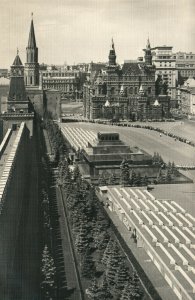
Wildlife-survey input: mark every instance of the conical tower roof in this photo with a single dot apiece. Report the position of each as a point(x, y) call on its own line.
point(148, 44)
point(32, 40)
point(17, 60)
point(112, 54)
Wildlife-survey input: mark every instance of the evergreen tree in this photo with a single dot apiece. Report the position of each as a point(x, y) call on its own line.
point(168, 175)
point(113, 263)
point(104, 292)
point(144, 180)
point(82, 241)
point(48, 272)
point(138, 180)
point(125, 172)
point(67, 180)
point(87, 265)
point(133, 178)
point(102, 180)
point(107, 252)
point(93, 291)
point(101, 238)
point(169, 165)
point(122, 276)
point(173, 169)
point(112, 179)
point(154, 159)
point(160, 177)
point(135, 287)
point(76, 174)
point(126, 293)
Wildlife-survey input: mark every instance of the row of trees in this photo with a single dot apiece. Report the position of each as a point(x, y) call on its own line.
point(100, 258)
point(168, 174)
point(59, 148)
point(48, 280)
point(102, 264)
point(48, 269)
point(128, 177)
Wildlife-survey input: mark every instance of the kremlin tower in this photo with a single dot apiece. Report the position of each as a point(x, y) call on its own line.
point(32, 65)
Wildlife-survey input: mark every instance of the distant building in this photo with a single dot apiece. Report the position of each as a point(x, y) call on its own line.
point(185, 65)
point(4, 90)
point(68, 82)
point(165, 64)
point(186, 96)
point(3, 72)
point(128, 92)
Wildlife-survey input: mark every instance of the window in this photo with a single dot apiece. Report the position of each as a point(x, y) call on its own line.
point(149, 90)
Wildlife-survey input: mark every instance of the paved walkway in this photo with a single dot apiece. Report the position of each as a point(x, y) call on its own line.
point(71, 274)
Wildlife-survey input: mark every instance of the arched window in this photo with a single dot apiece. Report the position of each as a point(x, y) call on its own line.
point(131, 90)
point(112, 90)
point(30, 79)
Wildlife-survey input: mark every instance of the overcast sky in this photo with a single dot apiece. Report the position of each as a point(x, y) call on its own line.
point(81, 30)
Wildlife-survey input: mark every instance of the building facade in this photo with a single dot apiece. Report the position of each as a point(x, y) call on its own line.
point(165, 64)
point(186, 97)
point(67, 82)
point(185, 65)
point(111, 91)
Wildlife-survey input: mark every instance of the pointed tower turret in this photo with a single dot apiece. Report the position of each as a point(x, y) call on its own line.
point(112, 55)
point(32, 65)
point(17, 90)
point(148, 53)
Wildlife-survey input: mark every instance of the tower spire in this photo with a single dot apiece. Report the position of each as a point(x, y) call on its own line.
point(148, 53)
point(112, 55)
point(32, 40)
point(112, 44)
point(32, 65)
point(148, 44)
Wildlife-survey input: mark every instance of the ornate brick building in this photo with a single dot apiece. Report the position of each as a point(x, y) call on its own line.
point(127, 92)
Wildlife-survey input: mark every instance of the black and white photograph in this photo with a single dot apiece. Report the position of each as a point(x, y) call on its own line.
point(97, 150)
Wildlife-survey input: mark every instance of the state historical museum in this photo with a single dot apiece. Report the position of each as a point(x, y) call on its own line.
point(126, 92)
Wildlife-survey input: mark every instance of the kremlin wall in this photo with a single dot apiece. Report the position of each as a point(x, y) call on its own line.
point(13, 178)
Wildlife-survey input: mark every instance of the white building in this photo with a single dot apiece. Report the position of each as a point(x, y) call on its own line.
point(162, 58)
point(186, 96)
